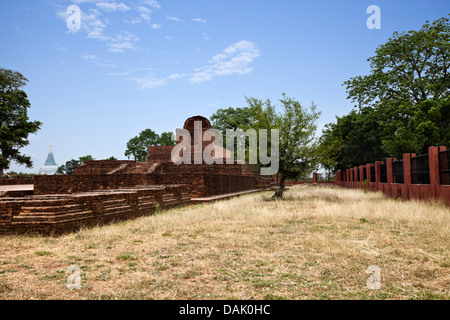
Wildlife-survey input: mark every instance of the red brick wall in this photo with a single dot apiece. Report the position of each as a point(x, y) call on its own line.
point(55, 215)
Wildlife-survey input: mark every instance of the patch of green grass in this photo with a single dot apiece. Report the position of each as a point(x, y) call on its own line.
point(125, 257)
point(43, 253)
point(271, 296)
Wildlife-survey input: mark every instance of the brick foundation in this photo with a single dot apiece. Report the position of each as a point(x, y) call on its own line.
point(59, 214)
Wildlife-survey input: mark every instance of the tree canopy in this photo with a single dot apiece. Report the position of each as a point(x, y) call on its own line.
point(403, 103)
point(296, 125)
point(69, 166)
point(137, 147)
point(14, 122)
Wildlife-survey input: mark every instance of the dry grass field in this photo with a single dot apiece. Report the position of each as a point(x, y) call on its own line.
point(315, 244)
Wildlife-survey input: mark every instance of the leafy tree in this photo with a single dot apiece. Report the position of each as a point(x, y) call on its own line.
point(85, 158)
point(234, 119)
point(137, 147)
point(412, 66)
point(354, 139)
point(297, 126)
point(111, 158)
point(408, 89)
point(69, 166)
point(14, 122)
point(165, 139)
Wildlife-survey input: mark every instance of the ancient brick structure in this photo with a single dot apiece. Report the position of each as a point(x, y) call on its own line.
point(102, 191)
point(58, 214)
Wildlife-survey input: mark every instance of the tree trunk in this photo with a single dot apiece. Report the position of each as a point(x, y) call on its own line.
point(279, 193)
point(1, 173)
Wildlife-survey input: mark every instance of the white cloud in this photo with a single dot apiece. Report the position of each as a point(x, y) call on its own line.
point(89, 57)
point(122, 41)
point(233, 60)
point(91, 23)
point(152, 82)
point(128, 72)
point(152, 3)
point(156, 26)
point(199, 20)
point(112, 6)
point(205, 36)
point(143, 9)
point(146, 17)
point(174, 19)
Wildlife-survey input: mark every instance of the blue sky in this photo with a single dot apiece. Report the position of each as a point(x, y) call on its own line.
point(142, 64)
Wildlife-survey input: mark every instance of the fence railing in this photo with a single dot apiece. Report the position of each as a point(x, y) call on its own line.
point(383, 173)
point(420, 170)
point(444, 167)
point(424, 176)
point(372, 173)
point(397, 169)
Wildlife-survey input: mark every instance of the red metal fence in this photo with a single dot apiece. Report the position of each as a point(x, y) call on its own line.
point(413, 177)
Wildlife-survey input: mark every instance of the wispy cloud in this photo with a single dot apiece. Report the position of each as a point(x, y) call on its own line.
point(127, 72)
point(89, 57)
point(199, 20)
point(122, 41)
point(143, 9)
point(156, 26)
point(233, 60)
point(98, 61)
point(112, 6)
point(152, 82)
point(174, 19)
point(152, 3)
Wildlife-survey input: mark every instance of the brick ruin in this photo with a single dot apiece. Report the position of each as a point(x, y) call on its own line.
point(103, 191)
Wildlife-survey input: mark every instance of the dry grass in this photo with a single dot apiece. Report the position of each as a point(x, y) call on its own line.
point(315, 244)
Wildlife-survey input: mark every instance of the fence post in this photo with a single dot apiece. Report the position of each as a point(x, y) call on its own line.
point(390, 173)
point(406, 174)
point(368, 172)
point(377, 175)
point(361, 176)
point(314, 177)
point(433, 161)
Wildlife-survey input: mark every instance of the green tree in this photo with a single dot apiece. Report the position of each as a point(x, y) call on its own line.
point(14, 122)
point(234, 119)
point(298, 156)
point(111, 158)
point(354, 139)
point(85, 158)
point(408, 88)
point(296, 124)
point(165, 139)
point(68, 167)
point(137, 147)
